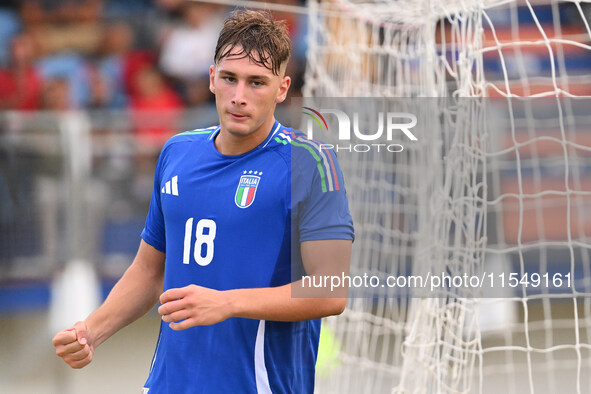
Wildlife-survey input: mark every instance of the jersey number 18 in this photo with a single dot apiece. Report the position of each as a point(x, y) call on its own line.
point(204, 236)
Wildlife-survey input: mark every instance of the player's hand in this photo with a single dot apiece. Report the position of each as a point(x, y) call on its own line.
point(193, 306)
point(74, 345)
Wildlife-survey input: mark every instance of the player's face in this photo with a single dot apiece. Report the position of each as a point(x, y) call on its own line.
point(246, 95)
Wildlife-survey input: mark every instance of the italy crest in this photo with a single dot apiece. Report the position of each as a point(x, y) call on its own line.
point(247, 189)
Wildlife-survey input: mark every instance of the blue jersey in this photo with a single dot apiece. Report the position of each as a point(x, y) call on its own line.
point(229, 222)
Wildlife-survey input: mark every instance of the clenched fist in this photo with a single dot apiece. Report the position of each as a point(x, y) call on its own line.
point(74, 346)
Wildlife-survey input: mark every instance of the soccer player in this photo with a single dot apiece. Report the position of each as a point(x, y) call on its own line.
point(238, 211)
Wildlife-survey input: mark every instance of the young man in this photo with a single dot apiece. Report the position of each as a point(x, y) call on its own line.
point(236, 211)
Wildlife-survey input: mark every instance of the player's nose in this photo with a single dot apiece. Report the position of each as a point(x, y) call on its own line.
point(239, 94)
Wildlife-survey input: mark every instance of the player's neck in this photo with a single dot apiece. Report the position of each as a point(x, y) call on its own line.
point(233, 144)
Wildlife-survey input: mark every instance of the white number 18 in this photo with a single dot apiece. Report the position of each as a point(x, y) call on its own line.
point(201, 238)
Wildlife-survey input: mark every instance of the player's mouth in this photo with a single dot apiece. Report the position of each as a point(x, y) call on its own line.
point(238, 116)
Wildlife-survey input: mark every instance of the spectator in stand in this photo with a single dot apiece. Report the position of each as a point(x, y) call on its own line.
point(65, 33)
point(56, 95)
point(297, 28)
point(128, 9)
point(101, 94)
point(9, 27)
point(71, 67)
point(108, 85)
point(155, 108)
point(112, 78)
point(64, 25)
point(187, 48)
point(59, 25)
point(142, 17)
point(171, 7)
point(20, 84)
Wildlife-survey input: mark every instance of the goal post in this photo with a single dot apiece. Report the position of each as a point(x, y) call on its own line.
point(497, 187)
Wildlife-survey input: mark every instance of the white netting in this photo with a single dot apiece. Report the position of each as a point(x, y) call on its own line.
point(493, 186)
point(435, 48)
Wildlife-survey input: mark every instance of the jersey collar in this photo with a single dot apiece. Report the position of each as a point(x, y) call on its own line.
point(274, 130)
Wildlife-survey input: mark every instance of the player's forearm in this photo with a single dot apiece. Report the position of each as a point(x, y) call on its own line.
point(133, 295)
point(278, 303)
point(295, 301)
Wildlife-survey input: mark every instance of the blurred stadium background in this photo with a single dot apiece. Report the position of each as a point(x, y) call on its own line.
point(89, 92)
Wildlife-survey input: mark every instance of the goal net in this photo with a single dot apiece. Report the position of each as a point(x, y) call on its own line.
point(496, 190)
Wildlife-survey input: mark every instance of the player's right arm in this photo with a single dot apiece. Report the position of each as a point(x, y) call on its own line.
point(134, 294)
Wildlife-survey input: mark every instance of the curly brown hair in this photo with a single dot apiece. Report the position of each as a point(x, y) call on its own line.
point(264, 40)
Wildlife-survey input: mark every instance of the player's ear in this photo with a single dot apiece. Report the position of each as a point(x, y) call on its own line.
point(283, 88)
point(211, 78)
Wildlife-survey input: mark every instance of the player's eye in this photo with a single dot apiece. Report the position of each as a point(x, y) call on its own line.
point(257, 83)
point(229, 79)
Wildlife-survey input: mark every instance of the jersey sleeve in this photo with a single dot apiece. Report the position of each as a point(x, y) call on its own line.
point(318, 191)
point(154, 229)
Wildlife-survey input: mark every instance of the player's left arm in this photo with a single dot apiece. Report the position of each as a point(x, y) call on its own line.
point(195, 305)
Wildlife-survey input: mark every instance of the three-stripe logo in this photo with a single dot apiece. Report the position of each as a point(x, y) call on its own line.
point(172, 186)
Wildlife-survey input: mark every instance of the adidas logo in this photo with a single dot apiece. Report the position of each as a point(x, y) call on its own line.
point(172, 186)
